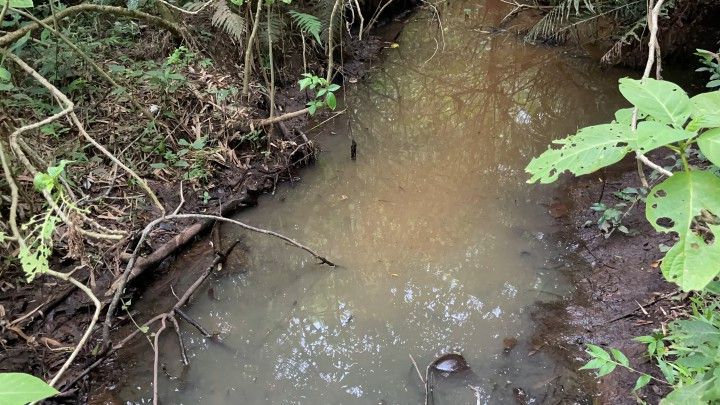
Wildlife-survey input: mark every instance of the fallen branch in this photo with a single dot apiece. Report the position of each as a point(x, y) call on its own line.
point(156, 361)
point(119, 285)
point(219, 257)
point(193, 322)
point(179, 240)
point(268, 121)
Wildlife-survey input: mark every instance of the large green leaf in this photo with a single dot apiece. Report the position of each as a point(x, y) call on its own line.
point(21, 388)
point(688, 395)
point(19, 3)
point(671, 207)
point(705, 111)
point(652, 135)
point(709, 143)
point(664, 101)
point(592, 148)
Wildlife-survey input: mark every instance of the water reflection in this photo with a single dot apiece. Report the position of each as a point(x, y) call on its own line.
point(442, 244)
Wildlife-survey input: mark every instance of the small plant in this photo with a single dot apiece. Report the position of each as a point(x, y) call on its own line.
point(687, 356)
point(711, 64)
point(611, 217)
point(605, 363)
point(325, 94)
point(191, 156)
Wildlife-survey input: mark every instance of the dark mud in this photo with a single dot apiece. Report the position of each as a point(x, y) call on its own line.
point(621, 296)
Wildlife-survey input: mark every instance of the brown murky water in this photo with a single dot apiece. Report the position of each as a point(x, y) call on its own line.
point(443, 246)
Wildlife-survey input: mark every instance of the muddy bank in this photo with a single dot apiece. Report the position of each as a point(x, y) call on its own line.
point(623, 294)
point(40, 321)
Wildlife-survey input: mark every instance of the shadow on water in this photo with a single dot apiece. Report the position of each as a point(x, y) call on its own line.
point(444, 247)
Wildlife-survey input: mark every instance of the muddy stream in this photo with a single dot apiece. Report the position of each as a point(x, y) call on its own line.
point(443, 246)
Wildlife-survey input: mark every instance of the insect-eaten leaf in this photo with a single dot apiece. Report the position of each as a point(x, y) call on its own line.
point(665, 102)
point(591, 149)
point(687, 204)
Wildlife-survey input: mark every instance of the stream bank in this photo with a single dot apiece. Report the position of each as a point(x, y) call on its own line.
point(619, 296)
point(197, 158)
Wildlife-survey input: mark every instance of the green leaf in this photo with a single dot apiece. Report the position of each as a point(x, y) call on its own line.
point(672, 206)
point(336, 87)
point(620, 357)
point(21, 388)
point(705, 111)
point(664, 101)
point(642, 381)
point(43, 182)
point(20, 3)
point(594, 364)
point(709, 143)
point(598, 352)
point(688, 395)
point(697, 332)
point(652, 135)
point(667, 371)
point(644, 339)
point(592, 148)
point(606, 369)
point(696, 360)
point(331, 100)
point(4, 75)
point(624, 115)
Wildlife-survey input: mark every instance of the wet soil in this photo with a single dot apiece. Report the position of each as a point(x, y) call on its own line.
point(622, 296)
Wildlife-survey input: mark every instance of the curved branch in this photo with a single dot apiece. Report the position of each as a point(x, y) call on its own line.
point(653, 48)
point(69, 106)
point(119, 285)
point(87, 333)
point(11, 37)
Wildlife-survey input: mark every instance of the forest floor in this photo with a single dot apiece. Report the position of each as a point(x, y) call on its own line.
point(40, 320)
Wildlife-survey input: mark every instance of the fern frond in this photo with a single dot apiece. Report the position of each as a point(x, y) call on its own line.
point(230, 22)
point(308, 23)
point(568, 14)
point(193, 5)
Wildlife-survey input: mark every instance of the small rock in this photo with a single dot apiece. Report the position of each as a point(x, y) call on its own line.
point(509, 344)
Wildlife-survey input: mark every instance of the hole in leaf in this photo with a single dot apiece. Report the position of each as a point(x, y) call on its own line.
point(660, 193)
point(700, 225)
point(654, 205)
point(665, 222)
point(621, 144)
